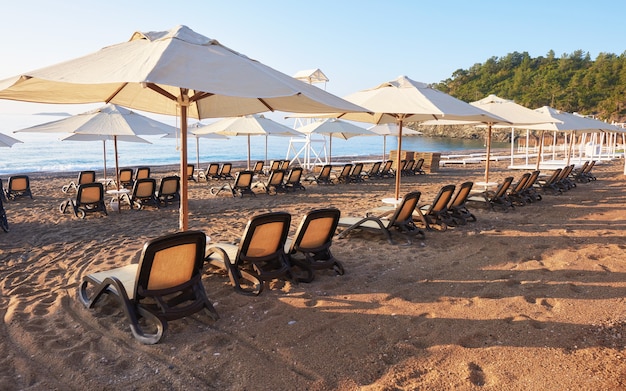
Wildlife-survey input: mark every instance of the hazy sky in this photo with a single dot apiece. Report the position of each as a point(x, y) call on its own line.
point(358, 44)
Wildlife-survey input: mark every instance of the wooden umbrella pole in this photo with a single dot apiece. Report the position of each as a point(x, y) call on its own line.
point(183, 219)
point(104, 149)
point(117, 167)
point(398, 173)
point(488, 153)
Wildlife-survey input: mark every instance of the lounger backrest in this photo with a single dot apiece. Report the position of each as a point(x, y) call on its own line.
point(89, 193)
point(284, 165)
point(275, 165)
point(461, 196)
point(504, 186)
point(264, 236)
point(521, 184)
point(418, 164)
point(142, 172)
point(442, 199)
point(356, 170)
point(375, 168)
point(532, 179)
point(276, 178)
point(169, 185)
point(86, 177)
point(190, 170)
point(258, 167)
point(243, 179)
point(404, 211)
point(169, 262)
point(325, 173)
point(19, 183)
point(409, 165)
point(554, 176)
point(226, 169)
point(212, 170)
point(316, 230)
point(144, 187)
point(345, 171)
point(126, 175)
point(590, 166)
point(387, 166)
point(294, 175)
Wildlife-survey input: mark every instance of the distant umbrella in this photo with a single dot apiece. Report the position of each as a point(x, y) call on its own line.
point(7, 141)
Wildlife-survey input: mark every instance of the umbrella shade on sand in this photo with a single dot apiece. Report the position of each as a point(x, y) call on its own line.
point(404, 100)
point(176, 72)
point(7, 141)
point(334, 128)
point(110, 122)
point(513, 113)
point(390, 130)
point(248, 125)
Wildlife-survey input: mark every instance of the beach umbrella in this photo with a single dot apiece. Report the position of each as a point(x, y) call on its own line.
point(564, 121)
point(404, 100)
point(248, 125)
point(176, 72)
point(104, 139)
point(390, 130)
point(191, 133)
point(7, 141)
point(334, 128)
point(109, 122)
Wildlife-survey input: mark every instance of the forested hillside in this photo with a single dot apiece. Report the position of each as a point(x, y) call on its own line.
point(573, 82)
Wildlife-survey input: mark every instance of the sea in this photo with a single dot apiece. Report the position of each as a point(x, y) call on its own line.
point(46, 152)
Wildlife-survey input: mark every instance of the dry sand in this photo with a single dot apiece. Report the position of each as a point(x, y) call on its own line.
point(527, 300)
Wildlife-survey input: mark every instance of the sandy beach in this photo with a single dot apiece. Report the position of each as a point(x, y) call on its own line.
point(533, 299)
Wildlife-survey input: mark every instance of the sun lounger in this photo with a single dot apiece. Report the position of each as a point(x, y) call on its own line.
point(516, 193)
point(165, 285)
point(401, 221)
point(436, 213)
point(322, 178)
point(19, 186)
point(169, 190)
point(458, 205)
point(87, 176)
point(313, 239)
point(495, 199)
point(241, 186)
point(274, 183)
point(260, 256)
point(89, 199)
point(293, 183)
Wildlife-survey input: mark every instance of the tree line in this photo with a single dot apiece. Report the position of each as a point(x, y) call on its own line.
point(573, 82)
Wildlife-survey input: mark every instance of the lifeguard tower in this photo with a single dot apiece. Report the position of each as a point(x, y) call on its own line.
point(308, 150)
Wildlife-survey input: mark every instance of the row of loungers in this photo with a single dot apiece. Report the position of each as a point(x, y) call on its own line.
point(526, 190)
point(176, 263)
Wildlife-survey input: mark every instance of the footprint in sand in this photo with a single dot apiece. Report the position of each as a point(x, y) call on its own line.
point(476, 374)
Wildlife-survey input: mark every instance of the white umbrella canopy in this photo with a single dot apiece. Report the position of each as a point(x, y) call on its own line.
point(175, 72)
point(514, 114)
point(564, 121)
point(390, 130)
point(334, 128)
point(404, 100)
point(110, 122)
point(7, 141)
point(248, 125)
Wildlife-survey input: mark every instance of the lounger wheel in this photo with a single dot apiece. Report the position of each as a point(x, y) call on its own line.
point(80, 213)
point(63, 206)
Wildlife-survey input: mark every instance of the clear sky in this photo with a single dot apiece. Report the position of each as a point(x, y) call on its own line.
point(358, 44)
